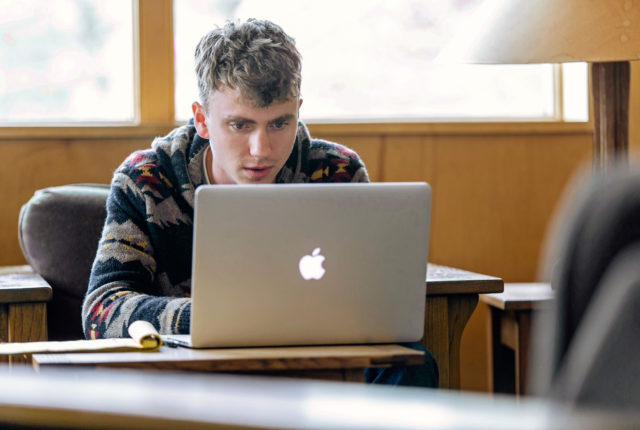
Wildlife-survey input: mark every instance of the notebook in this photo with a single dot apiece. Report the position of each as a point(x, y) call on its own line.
point(308, 264)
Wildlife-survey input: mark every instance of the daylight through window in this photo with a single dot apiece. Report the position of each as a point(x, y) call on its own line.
point(373, 61)
point(66, 60)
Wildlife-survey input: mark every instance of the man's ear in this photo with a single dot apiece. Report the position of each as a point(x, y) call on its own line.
point(199, 120)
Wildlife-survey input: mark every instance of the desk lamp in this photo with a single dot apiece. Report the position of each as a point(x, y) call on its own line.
point(604, 33)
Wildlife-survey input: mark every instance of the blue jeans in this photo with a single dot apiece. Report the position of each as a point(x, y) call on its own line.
point(425, 375)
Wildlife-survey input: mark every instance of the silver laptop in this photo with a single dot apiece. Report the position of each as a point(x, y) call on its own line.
point(308, 264)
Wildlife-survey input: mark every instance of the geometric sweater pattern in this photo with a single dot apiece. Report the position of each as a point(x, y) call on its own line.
point(142, 269)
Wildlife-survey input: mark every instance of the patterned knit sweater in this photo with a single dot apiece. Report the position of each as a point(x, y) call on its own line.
point(142, 270)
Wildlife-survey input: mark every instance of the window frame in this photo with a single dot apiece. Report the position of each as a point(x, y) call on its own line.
point(155, 112)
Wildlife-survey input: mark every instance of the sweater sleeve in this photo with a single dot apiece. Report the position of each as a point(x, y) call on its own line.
point(121, 286)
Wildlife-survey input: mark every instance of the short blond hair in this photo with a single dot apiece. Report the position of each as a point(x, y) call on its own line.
point(256, 57)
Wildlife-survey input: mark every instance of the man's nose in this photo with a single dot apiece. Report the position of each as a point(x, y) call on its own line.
point(259, 144)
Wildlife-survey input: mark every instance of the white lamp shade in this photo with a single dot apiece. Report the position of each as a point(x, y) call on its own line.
point(549, 31)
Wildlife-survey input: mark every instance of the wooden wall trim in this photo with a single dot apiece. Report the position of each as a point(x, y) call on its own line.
point(88, 132)
point(102, 130)
point(155, 74)
point(459, 128)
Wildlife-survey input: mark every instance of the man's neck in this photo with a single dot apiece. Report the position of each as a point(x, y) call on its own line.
point(208, 157)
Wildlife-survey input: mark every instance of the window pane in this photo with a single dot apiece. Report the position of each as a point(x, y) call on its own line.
point(66, 60)
point(373, 60)
point(575, 91)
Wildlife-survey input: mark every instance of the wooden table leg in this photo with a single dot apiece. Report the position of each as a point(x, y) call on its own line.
point(26, 322)
point(4, 329)
point(522, 351)
point(508, 350)
point(445, 320)
point(500, 357)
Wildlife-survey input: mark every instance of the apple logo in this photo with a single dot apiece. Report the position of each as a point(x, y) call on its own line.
point(310, 266)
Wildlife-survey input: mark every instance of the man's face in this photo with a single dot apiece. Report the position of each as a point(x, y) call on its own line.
point(249, 145)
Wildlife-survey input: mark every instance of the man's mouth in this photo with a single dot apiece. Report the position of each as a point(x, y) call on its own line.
point(257, 173)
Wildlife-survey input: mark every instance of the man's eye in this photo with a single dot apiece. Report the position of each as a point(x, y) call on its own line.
point(279, 124)
point(238, 125)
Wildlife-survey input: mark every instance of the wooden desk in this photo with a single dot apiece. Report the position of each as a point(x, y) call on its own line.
point(509, 327)
point(77, 398)
point(452, 296)
point(343, 363)
point(23, 307)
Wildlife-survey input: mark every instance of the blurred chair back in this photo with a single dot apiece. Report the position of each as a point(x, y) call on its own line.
point(596, 274)
point(59, 230)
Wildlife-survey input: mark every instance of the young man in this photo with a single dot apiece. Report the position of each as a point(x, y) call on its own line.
point(245, 130)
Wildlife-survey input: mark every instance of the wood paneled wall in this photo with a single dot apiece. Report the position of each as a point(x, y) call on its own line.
point(29, 165)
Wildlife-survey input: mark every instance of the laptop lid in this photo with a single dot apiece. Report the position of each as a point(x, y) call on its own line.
point(305, 264)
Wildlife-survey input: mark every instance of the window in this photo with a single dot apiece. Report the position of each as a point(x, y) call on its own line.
point(372, 61)
point(66, 61)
